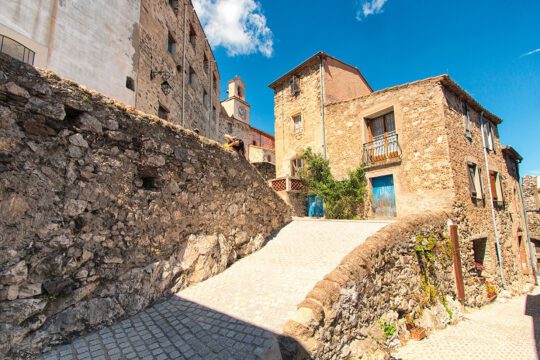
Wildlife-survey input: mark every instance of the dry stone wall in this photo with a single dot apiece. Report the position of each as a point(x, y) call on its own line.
point(531, 197)
point(104, 209)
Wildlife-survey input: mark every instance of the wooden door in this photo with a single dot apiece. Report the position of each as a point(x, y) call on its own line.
point(384, 200)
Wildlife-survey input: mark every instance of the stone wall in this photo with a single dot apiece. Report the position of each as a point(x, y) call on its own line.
point(404, 271)
point(104, 209)
point(531, 194)
point(475, 215)
point(380, 280)
point(266, 169)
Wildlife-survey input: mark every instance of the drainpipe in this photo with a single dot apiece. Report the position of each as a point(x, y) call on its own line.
point(322, 105)
point(211, 90)
point(184, 66)
point(495, 232)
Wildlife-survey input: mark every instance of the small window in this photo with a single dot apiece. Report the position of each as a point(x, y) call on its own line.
point(496, 187)
point(171, 45)
point(192, 77)
point(269, 159)
point(192, 36)
point(205, 98)
point(294, 86)
point(16, 50)
point(130, 83)
point(479, 250)
point(214, 113)
point(206, 64)
point(467, 119)
point(214, 82)
point(229, 128)
point(474, 174)
point(296, 166)
point(174, 5)
point(163, 113)
point(240, 92)
point(297, 120)
point(255, 142)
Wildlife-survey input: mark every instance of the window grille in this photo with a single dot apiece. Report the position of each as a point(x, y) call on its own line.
point(16, 50)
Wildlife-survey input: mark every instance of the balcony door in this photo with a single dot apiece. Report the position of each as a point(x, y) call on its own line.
point(382, 135)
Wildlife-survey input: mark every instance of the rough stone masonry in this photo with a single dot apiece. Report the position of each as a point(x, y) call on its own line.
point(104, 209)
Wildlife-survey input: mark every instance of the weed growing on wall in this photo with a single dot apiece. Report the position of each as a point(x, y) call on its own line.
point(341, 198)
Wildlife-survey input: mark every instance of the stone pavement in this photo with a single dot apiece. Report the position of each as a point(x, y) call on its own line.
point(234, 315)
point(509, 330)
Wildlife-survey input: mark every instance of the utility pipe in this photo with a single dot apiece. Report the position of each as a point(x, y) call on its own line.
point(184, 66)
point(495, 231)
point(534, 266)
point(321, 57)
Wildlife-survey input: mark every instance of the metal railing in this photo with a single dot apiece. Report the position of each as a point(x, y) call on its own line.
point(384, 148)
point(16, 50)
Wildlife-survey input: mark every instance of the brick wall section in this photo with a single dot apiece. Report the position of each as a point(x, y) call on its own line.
point(157, 20)
point(422, 179)
point(104, 209)
point(475, 216)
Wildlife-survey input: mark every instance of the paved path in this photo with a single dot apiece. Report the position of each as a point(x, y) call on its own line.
point(499, 331)
point(236, 314)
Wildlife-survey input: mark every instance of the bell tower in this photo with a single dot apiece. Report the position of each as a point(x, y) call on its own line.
point(235, 105)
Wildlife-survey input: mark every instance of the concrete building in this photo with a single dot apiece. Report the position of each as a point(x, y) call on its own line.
point(150, 54)
point(425, 145)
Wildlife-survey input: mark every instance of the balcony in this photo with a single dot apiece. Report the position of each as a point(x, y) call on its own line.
point(288, 184)
point(384, 149)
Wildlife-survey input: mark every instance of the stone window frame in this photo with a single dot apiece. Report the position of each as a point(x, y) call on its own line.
point(171, 44)
point(297, 164)
point(300, 128)
point(163, 112)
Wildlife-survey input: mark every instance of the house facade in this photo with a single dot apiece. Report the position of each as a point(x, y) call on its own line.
point(152, 55)
point(425, 145)
point(531, 194)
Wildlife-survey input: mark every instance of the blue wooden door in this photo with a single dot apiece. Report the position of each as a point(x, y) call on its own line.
point(315, 206)
point(384, 198)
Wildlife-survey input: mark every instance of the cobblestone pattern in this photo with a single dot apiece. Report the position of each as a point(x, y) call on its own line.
point(173, 329)
point(237, 314)
point(499, 331)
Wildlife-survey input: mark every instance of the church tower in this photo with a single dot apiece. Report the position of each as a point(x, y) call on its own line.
point(235, 105)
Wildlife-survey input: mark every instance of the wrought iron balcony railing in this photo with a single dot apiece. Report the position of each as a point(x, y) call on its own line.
point(382, 149)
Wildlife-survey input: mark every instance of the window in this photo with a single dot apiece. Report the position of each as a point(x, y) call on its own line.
point(294, 86)
point(163, 113)
point(255, 142)
point(382, 126)
point(467, 118)
point(206, 64)
point(214, 113)
point(174, 5)
point(296, 166)
point(205, 98)
point(496, 187)
point(479, 250)
point(192, 77)
point(171, 45)
point(16, 50)
point(192, 36)
point(489, 135)
point(130, 83)
point(229, 128)
point(214, 82)
point(297, 120)
point(475, 181)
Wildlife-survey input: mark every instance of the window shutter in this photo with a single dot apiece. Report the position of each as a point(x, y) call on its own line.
point(498, 183)
point(492, 182)
point(479, 178)
point(471, 173)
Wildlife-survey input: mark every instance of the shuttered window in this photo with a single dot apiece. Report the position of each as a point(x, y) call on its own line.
point(474, 173)
point(467, 120)
point(496, 187)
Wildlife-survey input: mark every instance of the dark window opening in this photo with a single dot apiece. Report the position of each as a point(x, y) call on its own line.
point(229, 128)
point(163, 113)
point(130, 83)
point(174, 5)
point(479, 249)
point(192, 36)
point(240, 92)
point(254, 142)
point(171, 45)
point(149, 183)
point(214, 82)
point(206, 64)
point(191, 76)
point(205, 98)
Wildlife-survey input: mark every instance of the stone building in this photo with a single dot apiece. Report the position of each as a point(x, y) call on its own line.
point(425, 145)
point(531, 194)
point(149, 54)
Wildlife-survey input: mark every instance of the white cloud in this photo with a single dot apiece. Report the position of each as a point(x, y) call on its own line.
point(237, 25)
point(369, 7)
point(531, 52)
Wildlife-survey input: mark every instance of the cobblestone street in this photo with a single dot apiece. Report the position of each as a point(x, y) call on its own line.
point(503, 330)
point(236, 314)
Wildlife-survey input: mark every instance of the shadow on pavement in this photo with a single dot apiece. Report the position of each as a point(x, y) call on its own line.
point(532, 308)
point(176, 328)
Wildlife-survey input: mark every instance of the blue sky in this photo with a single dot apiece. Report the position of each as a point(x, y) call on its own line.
point(487, 46)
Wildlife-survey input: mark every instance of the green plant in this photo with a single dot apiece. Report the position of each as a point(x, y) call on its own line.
point(341, 197)
point(388, 327)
